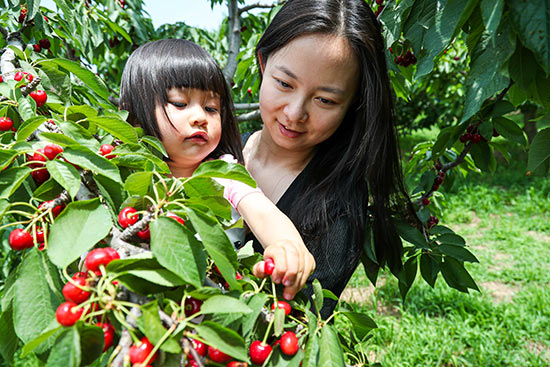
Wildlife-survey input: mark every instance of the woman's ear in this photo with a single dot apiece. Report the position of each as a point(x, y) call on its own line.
point(261, 61)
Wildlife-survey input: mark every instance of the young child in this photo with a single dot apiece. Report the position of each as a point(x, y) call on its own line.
point(177, 92)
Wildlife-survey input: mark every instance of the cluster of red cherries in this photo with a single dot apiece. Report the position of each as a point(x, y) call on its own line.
point(38, 95)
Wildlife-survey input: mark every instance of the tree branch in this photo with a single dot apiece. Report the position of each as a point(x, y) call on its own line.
point(246, 106)
point(233, 40)
point(254, 115)
point(259, 5)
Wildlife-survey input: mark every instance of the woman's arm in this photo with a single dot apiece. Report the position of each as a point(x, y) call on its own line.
point(281, 241)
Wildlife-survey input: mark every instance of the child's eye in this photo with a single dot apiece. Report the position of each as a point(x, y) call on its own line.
point(178, 104)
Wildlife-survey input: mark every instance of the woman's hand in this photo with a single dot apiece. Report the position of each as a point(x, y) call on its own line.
point(293, 265)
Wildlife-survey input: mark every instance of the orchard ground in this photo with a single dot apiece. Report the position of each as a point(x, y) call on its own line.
point(504, 218)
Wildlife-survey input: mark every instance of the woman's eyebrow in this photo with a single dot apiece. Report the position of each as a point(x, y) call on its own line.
point(328, 89)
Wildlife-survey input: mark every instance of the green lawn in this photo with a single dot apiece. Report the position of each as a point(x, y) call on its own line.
point(505, 219)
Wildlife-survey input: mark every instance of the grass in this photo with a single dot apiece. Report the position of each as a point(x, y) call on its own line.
point(505, 219)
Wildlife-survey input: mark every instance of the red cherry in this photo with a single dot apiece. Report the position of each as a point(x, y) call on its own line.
point(139, 352)
point(218, 356)
point(37, 48)
point(39, 97)
point(282, 304)
point(5, 123)
point(18, 76)
point(20, 239)
point(45, 43)
point(97, 257)
point(249, 91)
point(289, 343)
point(105, 149)
point(192, 306)
point(476, 138)
point(438, 180)
point(425, 201)
point(68, 313)
point(176, 217)
point(52, 150)
point(55, 210)
point(199, 347)
point(441, 174)
point(144, 234)
point(259, 352)
point(126, 217)
point(39, 235)
point(72, 291)
point(236, 364)
point(38, 156)
point(269, 266)
point(79, 274)
point(108, 334)
point(40, 176)
point(112, 252)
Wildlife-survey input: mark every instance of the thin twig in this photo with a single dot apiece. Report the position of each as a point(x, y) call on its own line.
point(246, 106)
point(259, 5)
point(254, 115)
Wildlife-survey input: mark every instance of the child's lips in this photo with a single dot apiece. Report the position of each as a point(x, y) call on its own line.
point(198, 137)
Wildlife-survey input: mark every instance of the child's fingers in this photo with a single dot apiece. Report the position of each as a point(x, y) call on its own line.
point(259, 269)
point(301, 277)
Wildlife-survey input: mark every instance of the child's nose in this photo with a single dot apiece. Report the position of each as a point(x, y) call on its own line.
point(198, 116)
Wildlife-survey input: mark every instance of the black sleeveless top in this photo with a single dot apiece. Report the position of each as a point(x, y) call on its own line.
point(336, 255)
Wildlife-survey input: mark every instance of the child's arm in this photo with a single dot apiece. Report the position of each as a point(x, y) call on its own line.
point(281, 242)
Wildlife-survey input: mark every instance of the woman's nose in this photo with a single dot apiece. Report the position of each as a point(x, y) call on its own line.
point(296, 110)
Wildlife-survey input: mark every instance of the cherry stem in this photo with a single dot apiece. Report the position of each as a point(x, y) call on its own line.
point(273, 318)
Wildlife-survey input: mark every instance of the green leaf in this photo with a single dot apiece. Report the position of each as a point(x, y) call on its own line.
point(483, 157)
point(531, 19)
point(117, 127)
point(362, 324)
point(330, 350)
point(160, 276)
point(217, 205)
point(539, 152)
point(224, 339)
point(411, 234)
point(6, 157)
point(91, 342)
point(33, 344)
point(222, 169)
point(368, 244)
point(224, 304)
point(510, 130)
point(317, 296)
point(85, 158)
point(407, 276)
point(216, 243)
point(79, 134)
point(176, 248)
point(8, 338)
point(87, 77)
point(28, 127)
point(25, 108)
point(33, 292)
point(76, 113)
point(66, 351)
point(155, 143)
point(311, 355)
point(56, 138)
point(278, 321)
point(11, 179)
point(138, 183)
point(491, 12)
point(65, 174)
point(502, 108)
point(523, 67)
point(77, 229)
point(150, 324)
point(256, 304)
point(429, 268)
point(442, 140)
point(456, 275)
point(451, 239)
point(135, 156)
point(486, 75)
point(458, 252)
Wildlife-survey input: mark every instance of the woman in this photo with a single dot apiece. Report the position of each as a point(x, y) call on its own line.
point(327, 153)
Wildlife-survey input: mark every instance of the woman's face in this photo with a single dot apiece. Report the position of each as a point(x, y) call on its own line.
point(306, 90)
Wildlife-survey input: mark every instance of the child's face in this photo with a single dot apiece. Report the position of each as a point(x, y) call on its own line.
point(196, 130)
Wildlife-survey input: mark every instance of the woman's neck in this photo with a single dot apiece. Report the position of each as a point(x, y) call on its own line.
point(266, 152)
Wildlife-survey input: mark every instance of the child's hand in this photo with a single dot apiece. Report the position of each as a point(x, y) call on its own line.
point(293, 265)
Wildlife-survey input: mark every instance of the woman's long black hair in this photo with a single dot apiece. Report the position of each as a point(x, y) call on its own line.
point(158, 66)
point(357, 171)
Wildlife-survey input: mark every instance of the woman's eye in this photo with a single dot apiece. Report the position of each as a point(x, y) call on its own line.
point(283, 84)
point(325, 101)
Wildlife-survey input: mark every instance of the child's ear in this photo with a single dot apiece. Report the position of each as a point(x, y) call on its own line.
point(261, 61)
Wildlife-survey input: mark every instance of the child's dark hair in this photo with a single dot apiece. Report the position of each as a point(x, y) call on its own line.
point(158, 66)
